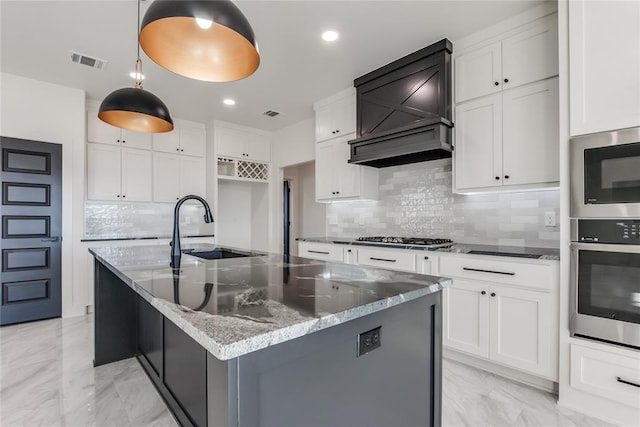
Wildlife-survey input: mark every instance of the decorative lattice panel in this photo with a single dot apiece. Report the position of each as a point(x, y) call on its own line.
point(253, 170)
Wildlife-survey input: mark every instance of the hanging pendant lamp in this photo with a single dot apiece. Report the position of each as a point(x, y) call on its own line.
point(134, 108)
point(203, 40)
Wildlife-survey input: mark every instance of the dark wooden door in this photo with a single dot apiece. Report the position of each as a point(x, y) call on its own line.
point(31, 230)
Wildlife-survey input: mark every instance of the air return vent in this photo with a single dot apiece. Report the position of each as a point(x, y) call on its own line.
point(271, 113)
point(83, 59)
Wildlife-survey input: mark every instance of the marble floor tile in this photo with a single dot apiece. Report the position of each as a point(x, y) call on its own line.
point(47, 378)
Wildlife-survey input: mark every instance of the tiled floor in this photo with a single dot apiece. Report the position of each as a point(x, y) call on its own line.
point(47, 378)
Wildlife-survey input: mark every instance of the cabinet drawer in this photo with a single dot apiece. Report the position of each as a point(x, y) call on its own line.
point(605, 374)
point(385, 258)
point(484, 268)
point(321, 251)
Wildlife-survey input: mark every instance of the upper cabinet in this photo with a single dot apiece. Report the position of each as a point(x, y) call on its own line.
point(99, 131)
point(336, 115)
point(528, 55)
point(186, 138)
point(241, 143)
point(604, 65)
point(506, 115)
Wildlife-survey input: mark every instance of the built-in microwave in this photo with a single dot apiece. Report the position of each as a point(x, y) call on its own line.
point(605, 175)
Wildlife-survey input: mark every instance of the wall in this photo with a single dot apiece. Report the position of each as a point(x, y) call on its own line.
point(417, 200)
point(40, 111)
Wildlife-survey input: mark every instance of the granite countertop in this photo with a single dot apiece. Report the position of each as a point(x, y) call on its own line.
point(549, 254)
point(125, 238)
point(236, 306)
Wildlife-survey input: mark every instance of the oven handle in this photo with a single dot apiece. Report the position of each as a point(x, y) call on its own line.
point(605, 247)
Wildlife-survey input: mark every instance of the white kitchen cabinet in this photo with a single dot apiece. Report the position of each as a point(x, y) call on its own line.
point(103, 133)
point(604, 65)
point(465, 315)
point(320, 251)
point(187, 138)
point(176, 176)
point(508, 139)
point(520, 329)
point(240, 143)
point(115, 173)
point(336, 115)
point(337, 179)
point(528, 54)
point(393, 259)
point(426, 263)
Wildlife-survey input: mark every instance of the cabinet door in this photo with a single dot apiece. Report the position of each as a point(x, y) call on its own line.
point(465, 315)
point(150, 334)
point(478, 73)
point(325, 178)
point(530, 141)
point(324, 124)
point(259, 148)
point(478, 144)
point(136, 175)
point(192, 176)
point(231, 143)
point(344, 116)
point(192, 141)
point(604, 65)
point(166, 177)
point(532, 54)
point(136, 139)
point(103, 172)
point(521, 329)
point(99, 131)
point(347, 176)
point(168, 142)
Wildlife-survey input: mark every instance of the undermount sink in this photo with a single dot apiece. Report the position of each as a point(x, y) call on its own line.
point(219, 253)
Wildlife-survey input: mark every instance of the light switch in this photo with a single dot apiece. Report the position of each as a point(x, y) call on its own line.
point(550, 219)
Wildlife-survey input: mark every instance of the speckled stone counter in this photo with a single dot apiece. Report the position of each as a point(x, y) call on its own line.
point(458, 248)
point(236, 306)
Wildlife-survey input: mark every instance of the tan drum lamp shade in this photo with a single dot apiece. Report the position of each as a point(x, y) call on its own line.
point(134, 108)
point(203, 40)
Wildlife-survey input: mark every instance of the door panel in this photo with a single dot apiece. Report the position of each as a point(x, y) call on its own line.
point(31, 227)
point(477, 72)
point(103, 172)
point(136, 175)
point(166, 176)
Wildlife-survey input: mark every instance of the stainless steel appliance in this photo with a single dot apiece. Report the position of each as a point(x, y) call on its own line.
point(605, 175)
point(411, 241)
point(605, 280)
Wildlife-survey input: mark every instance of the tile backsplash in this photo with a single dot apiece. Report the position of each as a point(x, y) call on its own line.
point(103, 219)
point(417, 200)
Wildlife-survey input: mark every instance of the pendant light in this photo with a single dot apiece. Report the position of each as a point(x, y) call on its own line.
point(203, 40)
point(134, 108)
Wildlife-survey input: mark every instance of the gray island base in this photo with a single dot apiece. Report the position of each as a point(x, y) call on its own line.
point(268, 341)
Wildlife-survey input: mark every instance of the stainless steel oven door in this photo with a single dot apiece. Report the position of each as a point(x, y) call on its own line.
point(605, 292)
point(614, 175)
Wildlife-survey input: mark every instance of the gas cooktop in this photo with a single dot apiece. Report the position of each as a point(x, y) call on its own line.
point(417, 241)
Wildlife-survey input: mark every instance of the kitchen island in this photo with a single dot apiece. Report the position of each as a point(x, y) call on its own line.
point(262, 340)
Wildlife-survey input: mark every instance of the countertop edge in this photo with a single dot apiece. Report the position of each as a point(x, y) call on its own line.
point(259, 342)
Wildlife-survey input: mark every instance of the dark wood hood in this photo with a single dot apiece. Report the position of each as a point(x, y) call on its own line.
point(404, 110)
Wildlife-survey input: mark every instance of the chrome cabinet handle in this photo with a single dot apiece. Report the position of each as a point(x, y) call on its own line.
point(382, 259)
point(318, 252)
point(506, 273)
point(620, 380)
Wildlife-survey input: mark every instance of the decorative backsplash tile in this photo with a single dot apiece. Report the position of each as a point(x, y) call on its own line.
point(417, 200)
point(103, 219)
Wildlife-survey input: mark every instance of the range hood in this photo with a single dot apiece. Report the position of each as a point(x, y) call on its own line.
point(404, 110)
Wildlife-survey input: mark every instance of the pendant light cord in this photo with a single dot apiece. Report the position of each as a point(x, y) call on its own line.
point(138, 61)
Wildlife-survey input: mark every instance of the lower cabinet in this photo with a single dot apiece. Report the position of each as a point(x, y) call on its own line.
point(150, 335)
point(320, 251)
point(505, 324)
point(185, 372)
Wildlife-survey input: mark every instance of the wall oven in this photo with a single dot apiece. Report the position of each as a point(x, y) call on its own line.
point(605, 280)
point(605, 174)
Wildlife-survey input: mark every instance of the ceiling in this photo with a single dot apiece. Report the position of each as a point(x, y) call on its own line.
point(297, 66)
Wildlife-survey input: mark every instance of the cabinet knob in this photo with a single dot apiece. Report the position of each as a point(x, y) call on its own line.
point(483, 293)
point(333, 192)
point(349, 250)
point(496, 83)
point(177, 149)
point(337, 192)
point(493, 294)
point(181, 149)
point(426, 257)
point(506, 177)
point(497, 177)
point(506, 80)
point(123, 196)
point(124, 142)
point(337, 130)
point(118, 195)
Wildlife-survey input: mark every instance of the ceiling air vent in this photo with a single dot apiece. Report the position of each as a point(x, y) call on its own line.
point(80, 58)
point(271, 113)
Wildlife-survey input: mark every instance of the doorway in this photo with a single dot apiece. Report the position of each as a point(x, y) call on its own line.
point(30, 277)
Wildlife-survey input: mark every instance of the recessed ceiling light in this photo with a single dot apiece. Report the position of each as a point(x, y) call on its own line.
point(229, 101)
point(134, 75)
point(330, 36)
